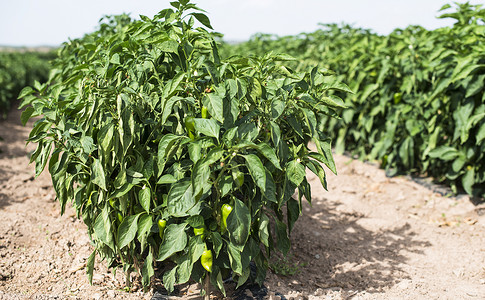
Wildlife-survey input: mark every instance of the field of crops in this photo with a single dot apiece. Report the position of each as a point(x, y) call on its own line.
point(18, 70)
point(419, 102)
point(190, 161)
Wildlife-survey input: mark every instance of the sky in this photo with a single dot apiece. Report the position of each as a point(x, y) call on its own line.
point(52, 22)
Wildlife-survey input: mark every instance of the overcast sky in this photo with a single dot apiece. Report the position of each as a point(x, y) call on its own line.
point(51, 22)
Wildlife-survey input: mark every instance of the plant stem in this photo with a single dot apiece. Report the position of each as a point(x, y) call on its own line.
point(207, 286)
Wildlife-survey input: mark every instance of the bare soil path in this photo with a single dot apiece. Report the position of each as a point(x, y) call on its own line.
point(368, 237)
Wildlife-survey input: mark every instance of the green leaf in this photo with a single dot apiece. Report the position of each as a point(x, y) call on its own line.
point(127, 230)
point(41, 161)
point(26, 114)
point(195, 149)
point(295, 172)
point(169, 46)
point(196, 248)
point(167, 179)
point(406, 152)
point(184, 269)
point(174, 241)
point(433, 139)
point(464, 67)
point(225, 185)
point(333, 101)
point(324, 148)
point(248, 132)
point(269, 153)
point(216, 280)
point(25, 92)
point(243, 277)
point(263, 230)
point(459, 163)
point(200, 177)
point(134, 177)
point(180, 198)
point(195, 221)
point(277, 108)
point(257, 170)
point(444, 153)
point(310, 120)
point(282, 240)
point(229, 136)
point(318, 170)
point(332, 83)
point(97, 174)
point(144, 197)
point(214, 104)
point(167, 142)
point(169, 279)
point(115, 59)
point(238, 224)
point(148, 167)
point(123, 190)
point(293, 210)
point(102, 228)
point(270, 189)
point(296, 125)
point(214, 155)
point(275, 133)
point(202, 18)
point(468, 180)
point(208, 127)
point(105, 137)
point(444, 7)
point(235, 259)
point(147, 270)
point(231, 105)
point(169, 90)
point(256, 90)
point(90, 266)
point(217, 242)
point(481, 134)
point(145, 223)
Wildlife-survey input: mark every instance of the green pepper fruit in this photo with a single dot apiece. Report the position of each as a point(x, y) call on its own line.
point(267, 136)
point(200, 231)
point(120, 217)
point(161, 227)
point(206, 260)
point(238, 177)
point(204, 113)
point(226, 210)
point(397, 98)
point(190, 126)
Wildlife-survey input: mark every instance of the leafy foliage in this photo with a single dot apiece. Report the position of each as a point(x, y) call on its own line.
point(18, 69)
point(419, 104)
point(149, 133)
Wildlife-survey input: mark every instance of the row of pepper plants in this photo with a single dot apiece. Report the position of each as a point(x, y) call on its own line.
point(173, 154)
point(419, 102)
point(19, 69)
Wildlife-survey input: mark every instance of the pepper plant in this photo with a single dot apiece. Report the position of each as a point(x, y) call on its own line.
point(171, 154)
point(419, 105)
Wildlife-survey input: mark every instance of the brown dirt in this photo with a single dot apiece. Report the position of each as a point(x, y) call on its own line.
point(368, 237)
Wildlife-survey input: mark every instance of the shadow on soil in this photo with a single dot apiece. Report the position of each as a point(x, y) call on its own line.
point(4, 201)
point(14, 135)
point(346, 255)
point(332, 251)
